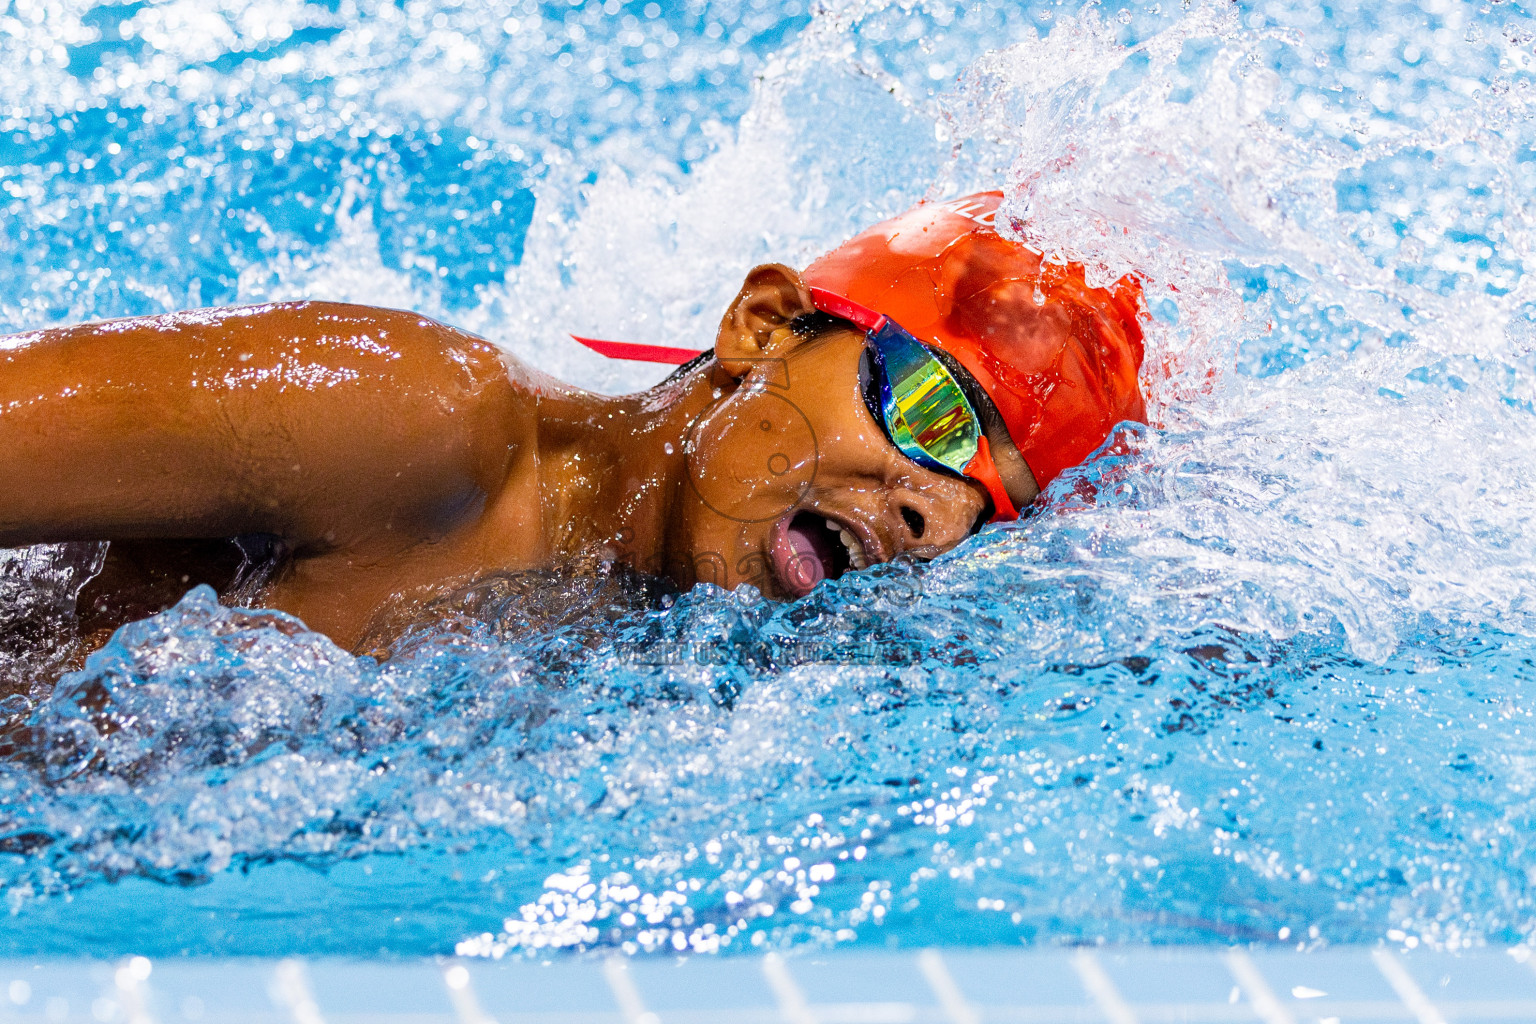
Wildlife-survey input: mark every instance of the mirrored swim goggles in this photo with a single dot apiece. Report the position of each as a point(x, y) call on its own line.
point(919, 402)
point(912, 393)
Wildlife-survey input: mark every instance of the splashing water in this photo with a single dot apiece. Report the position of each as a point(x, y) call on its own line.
point(1262, 670)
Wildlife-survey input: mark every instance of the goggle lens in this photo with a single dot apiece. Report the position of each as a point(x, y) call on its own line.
point(922, 406)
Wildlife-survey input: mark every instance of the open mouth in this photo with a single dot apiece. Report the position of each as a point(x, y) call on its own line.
point(809, 548)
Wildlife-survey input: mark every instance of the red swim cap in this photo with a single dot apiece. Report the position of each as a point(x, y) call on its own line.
point(1059, 359)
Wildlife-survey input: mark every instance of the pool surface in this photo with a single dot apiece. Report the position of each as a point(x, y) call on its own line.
point(1263, 673)
point(1080, 986)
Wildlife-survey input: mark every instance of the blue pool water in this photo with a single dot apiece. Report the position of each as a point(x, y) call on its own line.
point(1262, 671)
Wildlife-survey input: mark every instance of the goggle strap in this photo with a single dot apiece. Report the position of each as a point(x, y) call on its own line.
point(983, 470)
point(640, 353)
point(836, 305)
point(828, 302)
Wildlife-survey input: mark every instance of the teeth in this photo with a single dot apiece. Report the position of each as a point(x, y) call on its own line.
point(855, 549)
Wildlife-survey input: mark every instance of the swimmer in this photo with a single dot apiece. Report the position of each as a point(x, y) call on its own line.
point(917, 382)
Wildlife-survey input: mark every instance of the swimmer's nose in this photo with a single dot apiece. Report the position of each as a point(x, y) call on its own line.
point(931, 525)
point(916, 524)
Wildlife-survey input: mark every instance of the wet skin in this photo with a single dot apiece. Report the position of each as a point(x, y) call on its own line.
point(388, 454)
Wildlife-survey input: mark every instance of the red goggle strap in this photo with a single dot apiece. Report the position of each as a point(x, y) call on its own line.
point(824, 300)
point(983, 470)
point(836, 305)
point(639, 353)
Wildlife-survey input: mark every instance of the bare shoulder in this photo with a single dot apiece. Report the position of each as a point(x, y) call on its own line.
point(325, 424)
point(440, 409)
point(368, 338)
point(354, 418)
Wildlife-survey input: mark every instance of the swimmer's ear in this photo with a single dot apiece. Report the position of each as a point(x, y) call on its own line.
point(757, 326)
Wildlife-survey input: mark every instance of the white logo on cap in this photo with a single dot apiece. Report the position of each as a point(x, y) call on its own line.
point(974, 209)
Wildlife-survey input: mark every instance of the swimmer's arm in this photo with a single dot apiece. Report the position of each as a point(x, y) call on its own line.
point(326, 425)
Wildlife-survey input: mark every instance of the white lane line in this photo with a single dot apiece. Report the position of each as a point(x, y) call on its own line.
point(616, 971)
point(290, 990)
point(1102, 989)
point(1406, 988)
point(936, 971)
point(1257, 991)
point(130, 977)
point(462, 995)
point(786, 990)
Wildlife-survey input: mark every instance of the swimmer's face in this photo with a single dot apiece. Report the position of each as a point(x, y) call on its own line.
point(790, 480)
